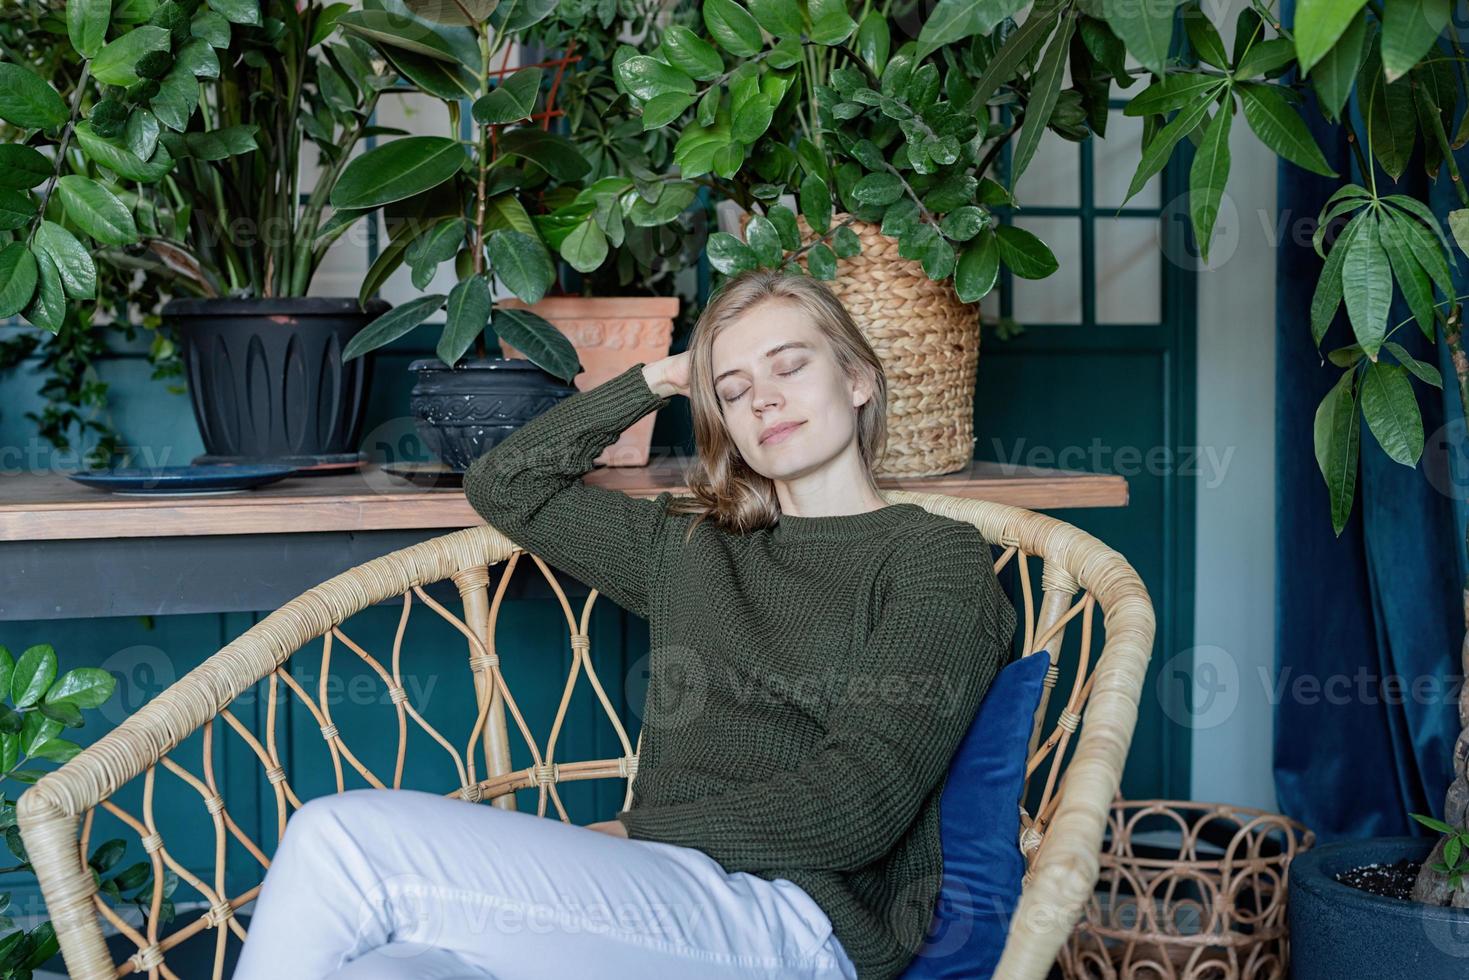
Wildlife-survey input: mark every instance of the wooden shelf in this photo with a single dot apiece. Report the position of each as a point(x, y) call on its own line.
point(50, 507)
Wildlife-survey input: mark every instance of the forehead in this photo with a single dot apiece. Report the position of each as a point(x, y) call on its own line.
point(743, 341)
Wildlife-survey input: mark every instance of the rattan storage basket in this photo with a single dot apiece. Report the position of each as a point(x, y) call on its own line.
point(1188, 891)
point(928, 341)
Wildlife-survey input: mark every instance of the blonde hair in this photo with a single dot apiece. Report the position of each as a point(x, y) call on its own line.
point(723, 487)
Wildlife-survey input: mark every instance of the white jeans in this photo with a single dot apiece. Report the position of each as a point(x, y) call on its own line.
point(375, 884)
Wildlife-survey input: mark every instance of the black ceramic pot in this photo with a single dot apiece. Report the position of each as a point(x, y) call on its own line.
point(462, 412)
point(267, 379)
point(1339, 932)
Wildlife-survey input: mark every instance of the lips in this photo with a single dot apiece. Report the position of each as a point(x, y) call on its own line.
point(779, 432)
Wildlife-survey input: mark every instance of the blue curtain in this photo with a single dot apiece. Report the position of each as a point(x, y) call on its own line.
point(1354, 757)
point(1353, 754)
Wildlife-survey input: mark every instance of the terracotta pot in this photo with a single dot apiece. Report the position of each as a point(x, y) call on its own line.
point(610, 334)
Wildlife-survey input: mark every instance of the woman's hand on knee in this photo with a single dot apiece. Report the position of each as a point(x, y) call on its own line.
point(612, 828)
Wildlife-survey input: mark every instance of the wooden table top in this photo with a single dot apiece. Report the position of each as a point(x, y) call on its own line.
point(50, 507)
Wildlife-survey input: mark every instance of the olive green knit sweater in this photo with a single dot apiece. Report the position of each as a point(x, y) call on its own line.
point(809, 683)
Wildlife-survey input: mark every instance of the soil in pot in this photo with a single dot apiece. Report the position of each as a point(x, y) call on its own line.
point(1389, 880)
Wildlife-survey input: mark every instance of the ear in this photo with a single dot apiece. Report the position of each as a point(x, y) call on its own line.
point(861, 389)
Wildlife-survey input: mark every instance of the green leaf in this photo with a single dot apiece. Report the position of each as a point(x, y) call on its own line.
point(780, 17)
point(393, 324)
point(1044, 89)
point(821, 262)
point(466, 315)
point(732, 27)
point(647, 77)
point(78, 273)
point(1337, 437)
point(1391, 116)
point(585, 248)
point(728, 254)
point(1452, 848)
point(1174, 92)
point(539, 340)
point(522, 263)
point(115, 64)
point(1160, 147)
point(978, 267)
point(1319, 23)
point(1422, 370)
point(874, 40)
point(879, 189)
point(661, 110)
point(121, 160)
point(752, 118)
point(691, 54)
point(392, 30)
point(1409, 28)
point(962, 224)
point(830, 22)
point(221, 144)
point(447, 80)
point(1146, 29)
point(86, 25)
point(938, 259)
point(27, 101)
point(1203, 36)
point(96, 210)
point(1412, 279)
point(512, 100)
point(1391, 410)
point(177, 98)
point(1264, 57)
point(764, 239)
point(239, 11)
point(17, 278)
point(47, 309)
point(1367, 286)
point(1335, 73)
point(845, 242)
point(1025, 254)
point(85, 687)
point(407, 166)
point(57, 750)
point(552, 152)
point(1208, 174)
point(210, 26)
point(954, 20)
point(1280, 127)
point(62, 711)
point(33, 674)
point(816, 203)
point(1459, 226)
point(22, 167)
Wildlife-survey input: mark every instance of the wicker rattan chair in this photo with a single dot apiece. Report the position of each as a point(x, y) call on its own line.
point(1060, 840)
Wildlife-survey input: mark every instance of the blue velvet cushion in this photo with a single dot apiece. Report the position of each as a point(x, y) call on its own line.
point(979, 821)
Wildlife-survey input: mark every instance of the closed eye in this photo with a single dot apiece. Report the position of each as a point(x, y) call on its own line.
point(783, 374)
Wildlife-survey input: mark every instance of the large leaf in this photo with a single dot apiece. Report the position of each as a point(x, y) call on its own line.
point(1367, 286)
point(1409, 28)
point(1160, 147)
point(585, 248)
point(465, 317)
point(397, 170)
point(1208, 174)
point(690, 54)
point(1392, 120)
point(978, 268)
point(647, 78)
point(1337, 436)
point(86, 25)
point(1014, 53)
point(392, 325)
point(22, 167)
point(120, 160)
point(17, 278)
point(1391, 410)
point(1174, 92)
point(443, 79)
point(177, 98)
point(1044, 89)
point(96, 210)
point(539, 340)
point(954, 20)
point(1319, 23)
point(116, 63)
point(389, 29)
point(779, 17)
point(1411, 277)
point(732, 27)
point(552, 152)
point(1335, 73)
point(33, 674)
point(239, 11)
point(1280, 127)
point(1146, 29)
point(522, 263)
point(1326, 299)
point(1025, 254)
point(85, 687)
point(73, 261)
point(512, 100)
point(48, 306)
point(27, 101)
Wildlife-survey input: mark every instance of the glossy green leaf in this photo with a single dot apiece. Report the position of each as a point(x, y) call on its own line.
point(1409, 28)
point(17, 278)
point(393, 324)
point(539, 340)
point(96, 210)
point(1208, 175)
point(728, 254)
point(27, 101)
point(585, 248)
point(22, 167)
point(763, 238)
point(780, 17)
point(48, 306)
point(238, 11)
point(1280, 127)
point(732, 27)
point(1319, 23)
point(978, 268)
point(1045, 87)
point(115, 64)
point(691, 54)
point(73, 261)
point(120, 160)
point(33, 674)
point(522, 263)
point(397, 170)
point(821, 262)
point(17, 209)
point(512, 100)
point(86, 25)
point(1391, 410)
point(1024, 254)
point(1337, 437)
point(1146, 29)
point(1367, 286)
point(466, 315)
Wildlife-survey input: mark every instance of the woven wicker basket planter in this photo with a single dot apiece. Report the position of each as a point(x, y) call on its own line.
point(928, 341)
point(1188, 891)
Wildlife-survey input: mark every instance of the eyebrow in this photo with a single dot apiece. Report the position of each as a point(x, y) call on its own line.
point(789, 345)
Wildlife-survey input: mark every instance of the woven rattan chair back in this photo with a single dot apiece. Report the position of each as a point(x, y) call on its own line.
point(1076, 755)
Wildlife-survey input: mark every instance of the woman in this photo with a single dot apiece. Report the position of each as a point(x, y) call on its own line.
point(817, 656)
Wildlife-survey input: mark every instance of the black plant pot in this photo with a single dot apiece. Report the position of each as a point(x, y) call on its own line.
point(267, 379)
point(464, 411)
point(1337, 931)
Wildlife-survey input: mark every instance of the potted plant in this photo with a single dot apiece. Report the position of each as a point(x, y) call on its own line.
point(467, 201)
point(859, 156)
